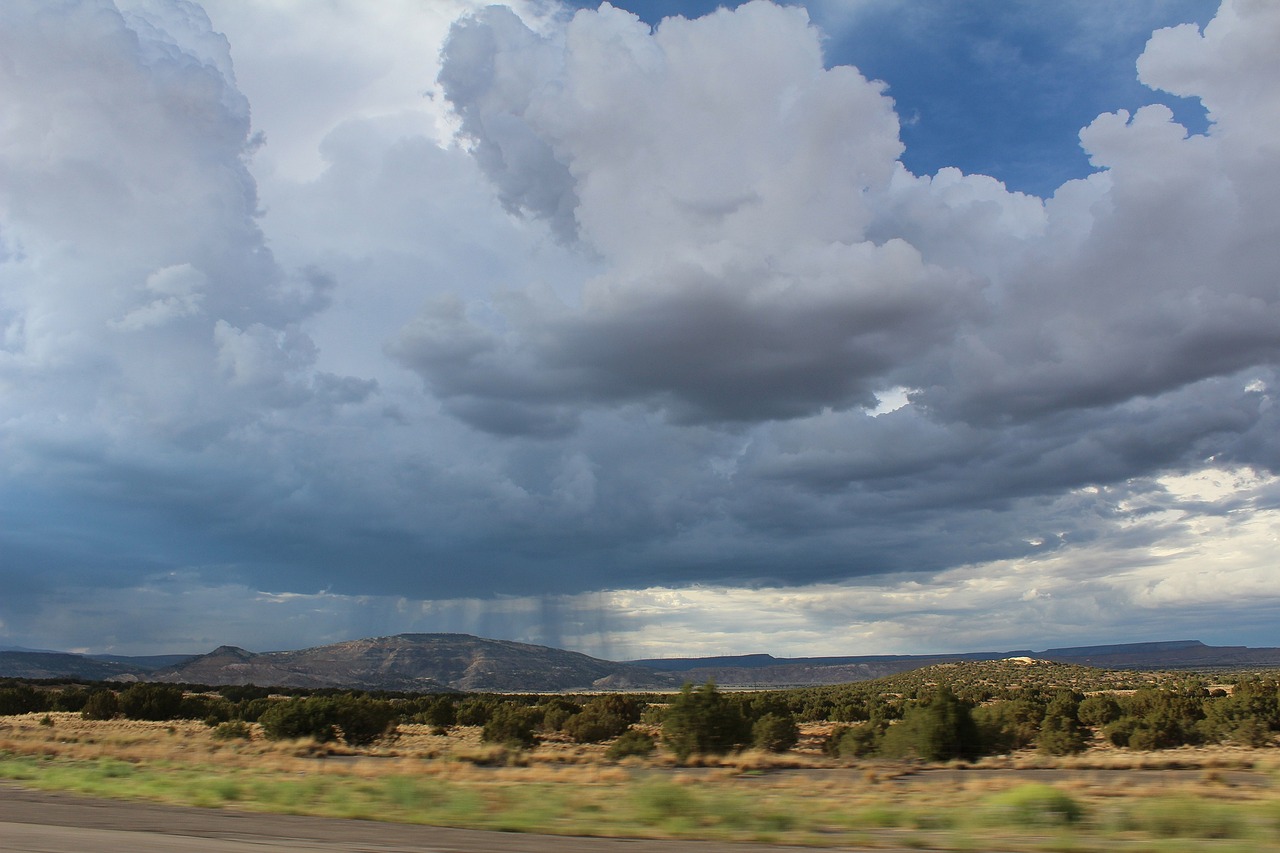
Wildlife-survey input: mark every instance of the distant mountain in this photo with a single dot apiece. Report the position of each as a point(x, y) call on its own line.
point(439, 662)
point(768, 671)
point(59, 665)
point(1179, 654)
point(760, 670)
point(144, 663)
point(418, 662)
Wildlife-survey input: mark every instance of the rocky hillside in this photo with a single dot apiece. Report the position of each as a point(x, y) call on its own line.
point(418, 662)
point(433, 662)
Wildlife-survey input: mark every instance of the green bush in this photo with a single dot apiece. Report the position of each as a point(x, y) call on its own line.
point(1160, 719)
point(1098, 710)
point(1007, 725)
point(101, 705)
point(1183, 817)
point(242, 693)
point(857, 741)
point(629, 708)
point(357, 720)
point(290, 719)
point(594, 725)
point(476, 710)
point(775, 732)
point(653, 715)
point(1247, 716)
point(251, 710)
point(144, 701)
point(232, 730)
point(939, 728)
point(556, 712)
point(1034, 805)
point(658, 801)
point(22, 700)
point(440, 713)
point(703, 721)
point(1060, 731)
point(71, 699)
point(211, 709)
point(631, 742)
point(512, 725)
point(362, 720)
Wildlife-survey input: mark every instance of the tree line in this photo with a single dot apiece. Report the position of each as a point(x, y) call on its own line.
point(922, 718)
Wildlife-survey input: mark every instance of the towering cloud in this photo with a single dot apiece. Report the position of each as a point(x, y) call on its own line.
point(606, 310)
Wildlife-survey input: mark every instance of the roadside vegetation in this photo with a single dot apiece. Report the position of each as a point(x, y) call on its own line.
point(1037, 756)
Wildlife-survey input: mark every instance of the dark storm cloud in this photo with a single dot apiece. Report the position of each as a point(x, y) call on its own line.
point(632, 332)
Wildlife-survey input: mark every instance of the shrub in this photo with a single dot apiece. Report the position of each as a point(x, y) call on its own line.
point(101, 705)
point(289, 719)
point(151, 702)
point(511, 725)
point(252, 710)
point(703, 721)
point(71, 699)
point(1246, 717)
point(556, 712)
point(654, 715)
point(594, 725)
point(1184, 818)
point(241, 693)
point(439, 713)
point(211, 709)
point(362, 720)
point(359, 721)
point(1034, 805)
point(631, 742)
point(1060, 731)
point(1007, 725)
point(629, 708)
point(1250, 732)
point(22, 700)
point(775, 732)
point(1098, 710)
point(855, 741)
point(232, 730)
point(936, 729)
point(476, 710)
point(1163, 718)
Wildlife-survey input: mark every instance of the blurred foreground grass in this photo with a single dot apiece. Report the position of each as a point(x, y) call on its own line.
point(456, 781)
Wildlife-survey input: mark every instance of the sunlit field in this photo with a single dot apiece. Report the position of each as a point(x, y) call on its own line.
point(1220, 797)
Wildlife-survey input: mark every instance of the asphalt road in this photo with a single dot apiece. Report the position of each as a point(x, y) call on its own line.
point(40, 822)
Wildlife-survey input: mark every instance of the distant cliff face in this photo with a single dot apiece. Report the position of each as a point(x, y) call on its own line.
point(438, 662)
point(418, 662)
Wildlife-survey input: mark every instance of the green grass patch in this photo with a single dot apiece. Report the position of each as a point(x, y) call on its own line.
point(650, 803)
point(1032, 806)
point(1186, 817)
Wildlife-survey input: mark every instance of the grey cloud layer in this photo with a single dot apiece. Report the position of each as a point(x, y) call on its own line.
point(630, 333)
point(768, 258)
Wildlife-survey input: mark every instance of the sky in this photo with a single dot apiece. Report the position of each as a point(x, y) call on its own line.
point(649, 329)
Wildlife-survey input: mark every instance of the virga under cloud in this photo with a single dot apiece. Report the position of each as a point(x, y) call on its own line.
point(564, 316)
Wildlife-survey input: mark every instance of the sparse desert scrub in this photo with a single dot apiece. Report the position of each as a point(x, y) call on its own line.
point(561, 787)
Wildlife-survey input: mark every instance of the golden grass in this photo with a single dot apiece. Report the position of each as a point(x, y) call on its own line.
point(1216, 796)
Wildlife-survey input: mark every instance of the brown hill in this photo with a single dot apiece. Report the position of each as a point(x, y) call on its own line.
point(417, 662)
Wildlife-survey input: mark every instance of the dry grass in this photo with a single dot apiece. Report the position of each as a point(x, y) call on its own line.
point(1217, 796)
